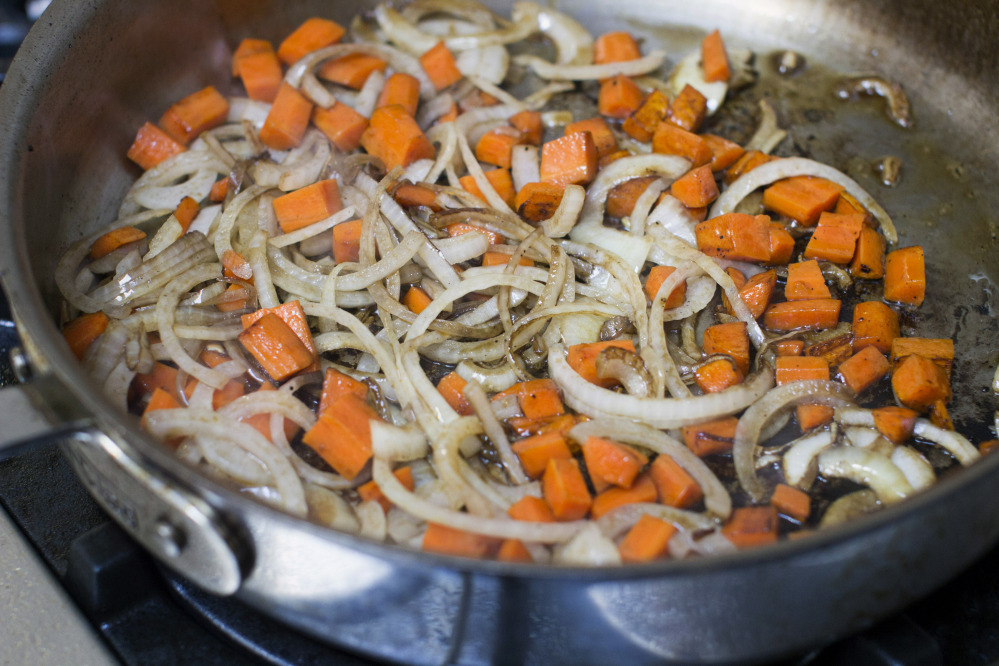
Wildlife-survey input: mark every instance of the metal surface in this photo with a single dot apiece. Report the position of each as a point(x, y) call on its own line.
point(92, 72)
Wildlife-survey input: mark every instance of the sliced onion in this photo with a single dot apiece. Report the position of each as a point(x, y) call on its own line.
point(623, 518)
point(556, 72)
point(573, 43)
point(799, 459)
point(567, 213)
point(767, 134)
point(525, 166)
point(917, 469)
point(394, 443)
point(588, 548)
point(869, 468)
point(953, 442)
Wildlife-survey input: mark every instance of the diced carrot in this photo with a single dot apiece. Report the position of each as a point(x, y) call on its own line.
point(307, 205)
point(535, 452)
point(804, 281)
point(347, 241)
point(416, 299)
point(82, 331)
point(394, 137)
point(152, 146)
point(539, 398)
point(688, 109)
point(114, 239)
point(757, 292)
point(748, 161)
point(261, 75)
point(802, 198)
point(643, 490)
point(287, 120)
point(731, 339)
point(622, 197)
point(440, 66)
point(450, 541)
point(718, 375)
point(615, 47)
point(709, 438)
point(895, 423)
point(674, 485)
point(583, 359)
point(569, 160)
point(336, 385)
point(699, 214)
point(603, 139)
point(619, 97)
point(496, 147)
point(789, 347)
point(532, 509)
point(185, 212)
point(351, 70)
point(673, 140)
point(800, 368)
point(735, 236)
point(781, 244)
point(812, 315)
point(501, 259)
point(234, 388)
point(869, 257)
point(696, 188)
point(791, 502)
point(409, 195)
point(905, 276)
point(939, 415)
point(616, 155)
point(646, 541)
point(752, 526)
point(724, 153)
point(641, 125)
point(835, 238)
point(460, 228)
point(248, 47)
point(276, 347)
point(162, 376)
point(160, 399)
point(341, 124)
point(195, 114)
point(313, 34)
point(938, 350)
point(402, 90)
point(988, 446)
point(342, 435)
point(611, 462)
point(918, 382)
point(530, 126)
point(213, 358)
point(292, 314)
point(451, 386)
point(565, 489)
point(235, 266)
point(834, 350)
point(478, 99)
point(500, 179)
point(658, 275)
point(864, 369)
point(513, 550)
point(538, 201)
point(370, 492)
point(714, 59)
point(874, 325)
point(525, 427)
point(219, 190)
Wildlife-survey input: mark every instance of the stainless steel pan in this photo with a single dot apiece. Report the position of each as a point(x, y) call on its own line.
point(90, 73)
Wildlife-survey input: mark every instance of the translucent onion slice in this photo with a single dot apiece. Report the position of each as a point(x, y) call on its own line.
point(799, 459)
point(557, 72)
point(955, 443)
point(917, 470)
point(871, 469)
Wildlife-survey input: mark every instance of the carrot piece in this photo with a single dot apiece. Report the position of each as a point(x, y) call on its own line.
point(450, 541)
point(835, 238)
point(616, 155)
point(287, 120)
point(895, 423)
point(688, 109)
point(724, 153)
point(342, 435)
point(313, 34)
point(565, 489)
point(525, 427)
point(370, 492)
point(731, 339)
point(905, 276)
point(341, 124)
point(709, 438)
point(869, 257)
point(658, 275)
point(307, 205)
point(746, 163)
point(336, 385)
point(402, 90)
point(82, 331)
point(460, 228)
point(696, 188)
point(603, 138)
point(530, 126)
point(792, 502)
point(262, 421)
point(416, 299)
point(233, 389)
point(752, 526)
point(495, 147)
point(539, 398)
point(531, 509)
point(501, 259)
point(500, 179)
point(673, 140)
point(804, 281)
point(834, 351)
point(674, 485)
point(440, 66)
point(160, 399)
point(162, 376)
point(698, 214)
point(646, 541)
point(874, 325)
point(735, 236)
point(802, 198)
point(939, 415)
point(347, 241)
point(408, 195)
point(292, 314)
point(261, 74)
point(248, 47)
point(864, 369)
point(186, 211)
point(152, 146)
point(451, 386)
point(513, 550)
point(615, 47)
point(643, 490)
point(114, 239)
point(394, 137)
point(569, 160)
point(800, 368)
point(918, 382)
point(781, 244)
point(583, 359)
point(535, 452)
point(235, 266)
point(756, 292)
point(276, 347)
point(195, 114)
point(938, 350)
point(714, 59)
point(641, 125)
point(538, 201)
point(718, 375)
point(351, 70)
point(789, 347)
point(988, 446)
point(622, 197)
point(611, 462)
point(219, 190)
point(619, 97)
point(812, 315)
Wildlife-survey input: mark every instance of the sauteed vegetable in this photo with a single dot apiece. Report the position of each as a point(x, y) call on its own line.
point(394, 285)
